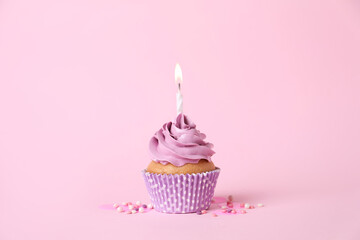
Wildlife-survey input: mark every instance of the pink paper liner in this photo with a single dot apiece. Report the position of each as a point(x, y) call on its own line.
point(181, 193)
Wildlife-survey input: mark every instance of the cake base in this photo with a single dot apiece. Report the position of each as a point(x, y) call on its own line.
point(202, 166)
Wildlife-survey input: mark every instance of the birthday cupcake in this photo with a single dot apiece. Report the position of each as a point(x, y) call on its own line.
point(181, 177)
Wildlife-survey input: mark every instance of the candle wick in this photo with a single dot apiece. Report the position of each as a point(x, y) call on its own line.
point(179, 86)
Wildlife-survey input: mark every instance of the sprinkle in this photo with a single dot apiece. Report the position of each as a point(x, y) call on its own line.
point(120, 209)
point(115, 205)
point(144, 206)
point(233, 211)
point(252, 207)
point(223, 211)
point(242, 211)
point(224, 207)
point(242, 205)
point(214, 215)
point(198, 213)
point(141, 209)
point(124, 203)
point(247, 205)
point(230, 198)
point(230, 205)
point(136, 209)
point(229, 210)
point(131, 207)
point(150, 206)
point(133, 211)
point(138, 203)
point(128, 212)
point(203, 211)
point(260, 205)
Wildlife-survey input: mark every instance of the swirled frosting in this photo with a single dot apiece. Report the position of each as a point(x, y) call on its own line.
point(180, 143)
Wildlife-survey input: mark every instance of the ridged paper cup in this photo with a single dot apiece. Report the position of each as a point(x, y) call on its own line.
point(181, 193)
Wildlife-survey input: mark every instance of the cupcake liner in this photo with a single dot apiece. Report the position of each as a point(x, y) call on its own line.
point(181, 193)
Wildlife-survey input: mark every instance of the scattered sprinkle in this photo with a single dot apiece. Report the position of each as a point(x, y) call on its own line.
point(139, 207)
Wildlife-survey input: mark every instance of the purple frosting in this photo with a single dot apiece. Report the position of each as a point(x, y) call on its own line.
point(180, 143)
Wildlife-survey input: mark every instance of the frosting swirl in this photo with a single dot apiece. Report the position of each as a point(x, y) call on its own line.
point(180, 143)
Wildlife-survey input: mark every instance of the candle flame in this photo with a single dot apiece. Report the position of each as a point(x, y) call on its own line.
point(178, 74)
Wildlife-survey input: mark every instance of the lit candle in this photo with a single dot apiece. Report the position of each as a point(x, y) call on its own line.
point(178, 81)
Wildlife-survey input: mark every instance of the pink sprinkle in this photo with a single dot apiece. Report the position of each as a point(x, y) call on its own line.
point(128, 212)
point(230, 198)
point(242, 211)
point(115, 205)
point(230, 205)
point(223, 211)
point(203, 211)
point(214, 215)
point(252, 207)
point(242, 205)
point(233, 211)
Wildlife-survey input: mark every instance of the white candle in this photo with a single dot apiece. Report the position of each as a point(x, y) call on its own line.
point(178, 81)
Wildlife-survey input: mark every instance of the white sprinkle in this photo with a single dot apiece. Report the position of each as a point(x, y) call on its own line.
point(138, 203)
point(150, 206)
point(115, 205)
point(131, 207)
point(260, 205)
point(133, 211)
point(247, 205)
point(141, 209)
point(223, 207)
point(120, 209)
point(124, 203)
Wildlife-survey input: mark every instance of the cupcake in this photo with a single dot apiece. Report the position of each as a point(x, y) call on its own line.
point(181, 177)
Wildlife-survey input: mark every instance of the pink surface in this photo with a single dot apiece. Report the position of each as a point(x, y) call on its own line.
point(85, 84)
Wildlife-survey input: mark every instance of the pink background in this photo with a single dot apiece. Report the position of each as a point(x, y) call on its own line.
point(274, 85)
